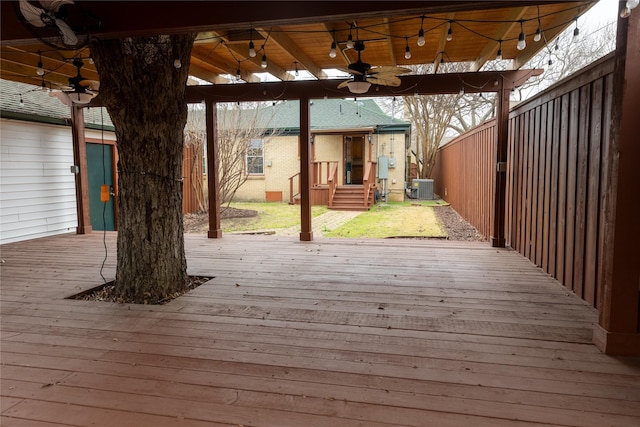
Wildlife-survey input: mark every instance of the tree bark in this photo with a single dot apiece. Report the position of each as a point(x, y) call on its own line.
point(144, 94)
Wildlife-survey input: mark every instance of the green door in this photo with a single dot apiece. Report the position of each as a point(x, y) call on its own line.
point(100, 171)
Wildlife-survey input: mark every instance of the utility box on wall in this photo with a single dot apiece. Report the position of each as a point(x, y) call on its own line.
point(383, 167)
point(422, 189)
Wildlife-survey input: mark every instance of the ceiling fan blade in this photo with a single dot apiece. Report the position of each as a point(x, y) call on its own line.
point(32, 14)
point(68, 36)
point(63, 97)
point(91, 84)
point(344, 84)
point(390, 70)
point(54, 5)
point(350, 71)
point(385, 80)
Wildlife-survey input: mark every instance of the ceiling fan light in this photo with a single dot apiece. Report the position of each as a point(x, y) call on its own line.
point(81, 98)
point(358, 87)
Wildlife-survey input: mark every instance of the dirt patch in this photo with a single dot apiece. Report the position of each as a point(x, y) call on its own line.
point(199, 222)
point(106, 292)
point(456, 226)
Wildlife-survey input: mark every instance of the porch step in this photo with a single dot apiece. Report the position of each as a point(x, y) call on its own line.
point(351, 198)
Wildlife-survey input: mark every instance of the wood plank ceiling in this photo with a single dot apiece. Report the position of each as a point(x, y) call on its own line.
point(298, 35)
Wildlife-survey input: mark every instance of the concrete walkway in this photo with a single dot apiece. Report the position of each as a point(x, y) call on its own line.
point(326, 222)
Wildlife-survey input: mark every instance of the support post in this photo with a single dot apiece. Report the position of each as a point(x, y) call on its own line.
point(82, 176)
point(306, 233)
point(213, 177)
point(500, 183)
point(618, 329)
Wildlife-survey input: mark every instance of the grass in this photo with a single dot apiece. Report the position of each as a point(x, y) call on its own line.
point(270, 216)
point(406, 219)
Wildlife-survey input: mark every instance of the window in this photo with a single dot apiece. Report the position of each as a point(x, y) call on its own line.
point(255, 157)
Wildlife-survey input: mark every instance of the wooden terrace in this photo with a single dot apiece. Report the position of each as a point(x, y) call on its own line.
point(290, 333)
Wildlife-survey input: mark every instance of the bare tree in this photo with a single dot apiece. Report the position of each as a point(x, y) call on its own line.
point(566, 55)
point(243, 131)
point(195, 136)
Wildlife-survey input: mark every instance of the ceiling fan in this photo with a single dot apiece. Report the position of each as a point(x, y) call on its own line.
point(364, 75)
point(80, 90)
point(50, 23)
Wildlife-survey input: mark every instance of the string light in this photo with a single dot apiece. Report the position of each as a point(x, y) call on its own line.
point(450, 32)
point(632, 4)
point(334, 45)
point(263, 64)
point(40, 69)
point(421, 40)
point(521, 41)
point(238, 72)
point(461, 91)
point(252, 47)
point(407, 50)
point(21, 102)
point(350, 38)
point(297, 73)
point(576, 31)
point(177, 63)
point(499, 54)
point(538, 35)
point(625, 12)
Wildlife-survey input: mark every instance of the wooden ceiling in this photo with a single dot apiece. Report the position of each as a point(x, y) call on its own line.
point(297, 34)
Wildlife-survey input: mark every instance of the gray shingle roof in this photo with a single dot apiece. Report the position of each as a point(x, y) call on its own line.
point(38, 103)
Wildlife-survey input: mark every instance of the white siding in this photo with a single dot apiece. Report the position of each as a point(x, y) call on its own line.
point(37, 189)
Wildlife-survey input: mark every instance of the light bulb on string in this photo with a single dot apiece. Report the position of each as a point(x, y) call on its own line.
point(21, 102)
point(632, 4)
point(538, 35)
point(40, 69)
point(521, 41)
point(350, 39)
point(238, 73)
point(499, 54)
point(421, 40)
point(625, 12)
point(549, 62)
point(297, 73)
point(461, 91)
point(177, 63)
point(332, 52)
point(407, 50)
point(576, 31)
point(449, 33)
point(263, 64)
point(252, 47)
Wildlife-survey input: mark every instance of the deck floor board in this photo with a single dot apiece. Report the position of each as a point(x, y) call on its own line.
point(288, 333)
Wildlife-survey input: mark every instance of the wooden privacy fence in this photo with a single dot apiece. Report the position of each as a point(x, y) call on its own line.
point(557, 144)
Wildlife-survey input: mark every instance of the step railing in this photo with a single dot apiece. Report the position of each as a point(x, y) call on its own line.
point(332, 180)
point(369, 181)
point(293, 195)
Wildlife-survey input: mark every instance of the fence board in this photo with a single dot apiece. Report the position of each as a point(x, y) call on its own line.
point(554, 193)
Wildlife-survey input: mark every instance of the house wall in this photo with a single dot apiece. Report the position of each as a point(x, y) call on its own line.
point(283, 155)
point(37, 189)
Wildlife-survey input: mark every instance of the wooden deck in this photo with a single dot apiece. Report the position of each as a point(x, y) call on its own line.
point(323, 333)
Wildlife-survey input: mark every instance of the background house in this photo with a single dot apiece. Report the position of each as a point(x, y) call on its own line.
point(347, 131)
point(37, 173)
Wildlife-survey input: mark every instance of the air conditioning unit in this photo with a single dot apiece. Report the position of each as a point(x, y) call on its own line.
point(422, 189)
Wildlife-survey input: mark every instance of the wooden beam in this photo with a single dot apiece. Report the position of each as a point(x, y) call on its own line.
point(285, 43)
point(204, 74)
point(430, 84)
point(81, 175)
point(491, 49)
point(213, 178)
point(442, 43)
point(392, 53)
point(617, 332)
point(201, 58)
point(306, 230)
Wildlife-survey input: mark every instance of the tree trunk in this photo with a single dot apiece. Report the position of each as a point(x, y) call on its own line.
point(144, 94)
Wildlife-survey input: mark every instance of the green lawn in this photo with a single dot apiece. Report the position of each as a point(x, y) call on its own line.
point(407, 219)
point(270, 216)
